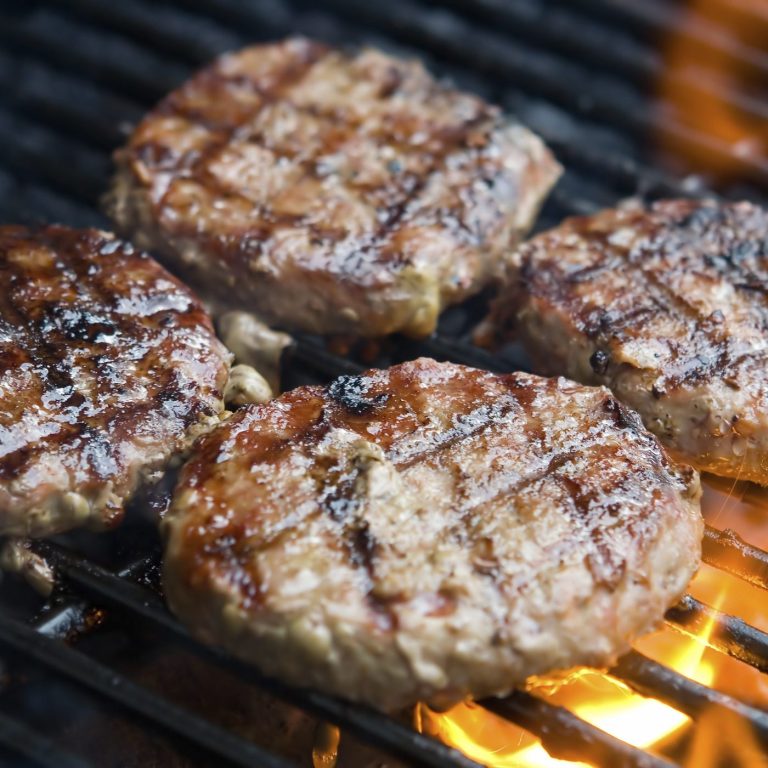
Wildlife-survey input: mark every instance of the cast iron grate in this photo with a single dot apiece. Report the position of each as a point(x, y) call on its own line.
point(75, 73)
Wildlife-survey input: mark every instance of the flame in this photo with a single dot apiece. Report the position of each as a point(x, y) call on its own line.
point(594, 696)
point(605, 702)
point(713, 70)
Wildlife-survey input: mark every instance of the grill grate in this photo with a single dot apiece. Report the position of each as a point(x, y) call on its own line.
point(75, 73)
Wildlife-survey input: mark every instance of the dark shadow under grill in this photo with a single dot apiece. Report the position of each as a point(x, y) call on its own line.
point(75, 73)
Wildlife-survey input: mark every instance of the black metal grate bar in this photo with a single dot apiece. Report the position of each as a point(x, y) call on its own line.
point(729, 634)
point(128, 69)
point(88, 673)
point(727, 551)
point(567, 737)
point(31, 744)
point(650, 678)
point(664, 18)
point(567, 30)
point(384, 732)
point(143, 27)
point(20, 142)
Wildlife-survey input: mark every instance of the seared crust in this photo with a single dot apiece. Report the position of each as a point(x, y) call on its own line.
point(667, 306)
point(108, 366)
point(329, 192)
point(429, 532)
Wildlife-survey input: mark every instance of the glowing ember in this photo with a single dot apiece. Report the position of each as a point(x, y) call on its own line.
point(325, 752)
point(608, 704)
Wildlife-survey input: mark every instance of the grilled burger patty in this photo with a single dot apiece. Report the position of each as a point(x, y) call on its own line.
point(108, 366)
point(429, 532)
point(329, 192)
point(667, 306)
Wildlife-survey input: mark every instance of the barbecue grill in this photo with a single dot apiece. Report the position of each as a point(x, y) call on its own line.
point(74, 75)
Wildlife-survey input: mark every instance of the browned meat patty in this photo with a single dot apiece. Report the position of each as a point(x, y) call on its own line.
point(329, 192)
point(430, 532)
point(108, 367)
point(667, 306)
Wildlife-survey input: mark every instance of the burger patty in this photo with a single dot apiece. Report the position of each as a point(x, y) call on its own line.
point(108, 367)
point(329, 192)
point(667, 306)
point(429, 532)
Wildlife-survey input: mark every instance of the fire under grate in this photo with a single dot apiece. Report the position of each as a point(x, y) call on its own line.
point(74, 74)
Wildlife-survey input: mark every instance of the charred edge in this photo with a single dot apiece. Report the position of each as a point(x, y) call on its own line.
point(76, 324)
point(623, 417)
point(361, 546)
point(702, 217)
point(602, 322)
point(733, 264)
point(350, 393)
point(599, 361)
point(605, 564)
point(466, 426)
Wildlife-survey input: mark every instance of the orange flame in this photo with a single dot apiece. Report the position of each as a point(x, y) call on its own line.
point(594, 696)
point(605, 702)
point(713, 72)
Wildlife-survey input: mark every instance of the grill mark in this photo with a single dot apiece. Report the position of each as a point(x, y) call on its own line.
point(557, 460)
point(396, 214)
point(705, 223)
point(340, 502)
point(708, 360)
point(590, 273)
point(469, 537)
point(48, 359)
point(52, 352)
point(713, 356)
point(553, 463)
point(350, 392)
point(523, 395)
point(605, 565)
point(727, 267)
point(100, 296)
point(449, 140)
point(90, 434)
point(602, 565)
point(289, 76)
point(443, 440)
point(683, 314)
point(606, 324)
